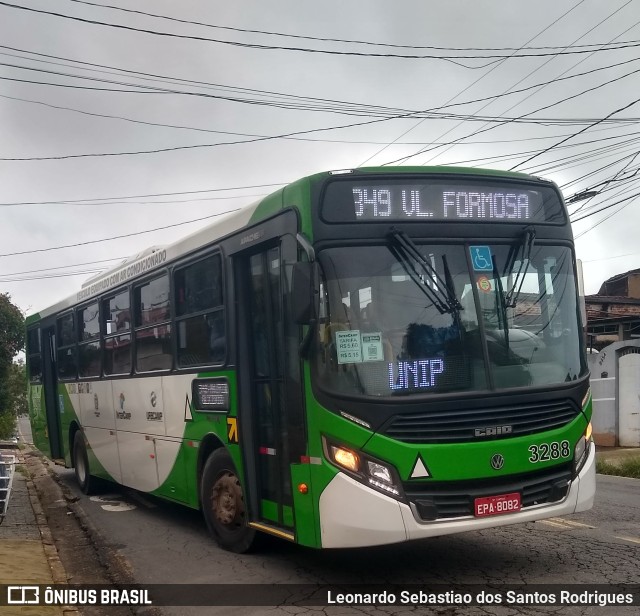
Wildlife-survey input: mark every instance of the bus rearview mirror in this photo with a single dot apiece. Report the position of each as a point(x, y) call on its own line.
point(302, 296)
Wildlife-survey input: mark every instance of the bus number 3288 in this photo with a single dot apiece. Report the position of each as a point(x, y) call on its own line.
point(549, 451)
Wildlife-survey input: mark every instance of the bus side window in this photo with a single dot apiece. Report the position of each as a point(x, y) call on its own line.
point(200, 317)
point(116, 317)
point(67, 363)
point(34, 357)
point(153, 327)
point(89, 355)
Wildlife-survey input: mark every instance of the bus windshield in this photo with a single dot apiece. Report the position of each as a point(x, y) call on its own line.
point(406, 319)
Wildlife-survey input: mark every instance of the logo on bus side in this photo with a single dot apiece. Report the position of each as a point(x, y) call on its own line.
point(493, 431)
point(122, 414)
point(252, 237)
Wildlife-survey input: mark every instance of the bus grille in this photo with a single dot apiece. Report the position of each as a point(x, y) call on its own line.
point(453, 500)
point(459, 426)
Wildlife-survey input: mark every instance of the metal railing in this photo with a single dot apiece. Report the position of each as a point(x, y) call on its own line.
point(7, 470)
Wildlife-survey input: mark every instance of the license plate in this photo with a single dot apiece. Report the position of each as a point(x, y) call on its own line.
point(497, 505)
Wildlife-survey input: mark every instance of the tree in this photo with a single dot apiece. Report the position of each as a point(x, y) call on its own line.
point(11, 343)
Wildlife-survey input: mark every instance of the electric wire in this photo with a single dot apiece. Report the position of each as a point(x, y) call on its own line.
point(117, 237)
point(452, 59)
point(540, 67)
point(317, 38)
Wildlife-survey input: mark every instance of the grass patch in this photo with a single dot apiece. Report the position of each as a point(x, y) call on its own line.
point(626, 468)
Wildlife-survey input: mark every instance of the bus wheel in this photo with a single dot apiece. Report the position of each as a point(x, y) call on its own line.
point(223, 504)
point(81, 464)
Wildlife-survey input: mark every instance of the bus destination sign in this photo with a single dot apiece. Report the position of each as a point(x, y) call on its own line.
point(398, 201)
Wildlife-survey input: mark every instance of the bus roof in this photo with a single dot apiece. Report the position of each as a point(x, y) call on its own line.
point(156, 256)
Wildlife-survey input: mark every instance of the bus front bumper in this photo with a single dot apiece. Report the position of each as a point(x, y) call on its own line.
point(353, 515)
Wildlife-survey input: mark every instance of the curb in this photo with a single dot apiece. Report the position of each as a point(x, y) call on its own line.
point(58, 573)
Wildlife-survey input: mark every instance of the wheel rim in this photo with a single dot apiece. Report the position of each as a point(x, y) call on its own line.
point(227, 505)
point(81, 468)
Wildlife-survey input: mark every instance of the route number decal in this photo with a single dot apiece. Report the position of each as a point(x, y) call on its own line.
point(549, 451)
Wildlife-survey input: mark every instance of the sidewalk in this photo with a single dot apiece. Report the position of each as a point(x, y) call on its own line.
point(616, 455)
point(27, 552)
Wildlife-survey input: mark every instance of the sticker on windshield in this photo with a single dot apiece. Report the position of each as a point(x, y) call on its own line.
point(349, 347)
point(484, 284)
point(481, 258)
point(372, 346)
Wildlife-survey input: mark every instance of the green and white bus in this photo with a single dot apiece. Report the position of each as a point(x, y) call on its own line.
point(363, 357)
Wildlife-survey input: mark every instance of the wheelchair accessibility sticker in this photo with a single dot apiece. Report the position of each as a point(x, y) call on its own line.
point(481, 258)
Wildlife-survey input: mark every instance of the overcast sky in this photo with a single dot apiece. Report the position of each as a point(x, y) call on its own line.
point(546, 87)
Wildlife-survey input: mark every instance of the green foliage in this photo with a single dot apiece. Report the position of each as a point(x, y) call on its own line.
point(11, 330)
point(625, 468)
point(7, 425)
point(12, 377)
point(17, 384)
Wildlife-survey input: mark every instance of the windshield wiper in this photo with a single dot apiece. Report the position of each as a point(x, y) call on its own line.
point(439, 291)
point(501, 305)
point(511, 298)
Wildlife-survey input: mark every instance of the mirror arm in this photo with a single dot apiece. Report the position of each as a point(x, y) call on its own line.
point(306, 246)
point(305, 345)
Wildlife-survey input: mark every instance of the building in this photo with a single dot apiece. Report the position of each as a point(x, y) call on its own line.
point(613, 327)
point(613, 314)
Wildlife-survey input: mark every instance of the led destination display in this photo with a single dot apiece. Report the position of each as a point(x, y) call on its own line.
point(398, 200)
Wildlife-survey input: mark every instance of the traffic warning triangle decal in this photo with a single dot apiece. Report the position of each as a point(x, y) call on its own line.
point(419, 469)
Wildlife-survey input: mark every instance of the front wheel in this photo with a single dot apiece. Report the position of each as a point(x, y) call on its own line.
point(223, 504)
point(81, 464)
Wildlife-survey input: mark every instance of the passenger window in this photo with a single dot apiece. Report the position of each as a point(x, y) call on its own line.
point(34, 356)
point(153, 329)
point(116, 320)
point(66, 355)
point(89, 354)
point(200, 318)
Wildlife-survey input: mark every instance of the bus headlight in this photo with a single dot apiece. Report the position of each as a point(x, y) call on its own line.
point(379, 471)
point(367, 470)
point(345, 458)
point(581, 451)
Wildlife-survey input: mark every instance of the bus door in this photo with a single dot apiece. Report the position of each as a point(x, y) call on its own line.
point(271, 408)
point(50, 386)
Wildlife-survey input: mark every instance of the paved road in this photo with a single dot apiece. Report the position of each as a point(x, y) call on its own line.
point(165, 543)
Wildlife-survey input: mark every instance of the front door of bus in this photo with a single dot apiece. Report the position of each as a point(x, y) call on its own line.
point(270, 404)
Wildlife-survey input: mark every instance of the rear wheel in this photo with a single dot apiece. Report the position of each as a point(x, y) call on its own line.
point(81, 464)
point(223, 504)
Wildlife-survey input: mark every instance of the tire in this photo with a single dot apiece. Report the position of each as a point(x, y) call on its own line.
point(223, 504)
point(81, 465)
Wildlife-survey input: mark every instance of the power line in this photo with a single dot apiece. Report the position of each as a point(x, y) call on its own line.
point(145, 196)
point(606, 207)
point(171, 202)
point(47, 276)
point(500, 121)
point(123, 198)
point(116, 237)
point(450, 100)
point(631, 104)
point(49, 269)
point(543, 121)
point(317, 38)
point(301, 103)
point(338, 104)
point(628, 254)
point(452, 59)
point(483, 129)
